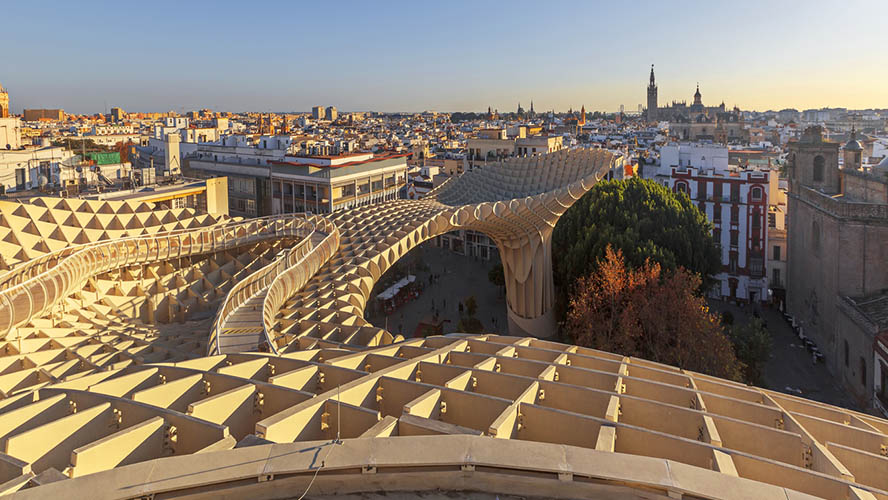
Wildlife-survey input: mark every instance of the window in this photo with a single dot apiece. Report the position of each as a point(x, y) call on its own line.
point(733, 238)
point(863, 371)
point(776, 252)
point(772, 220)
point(757, 193)
point(755, 266)
point(756, 220)
point(735, 193)
point(775, 277)
point(681, 187)
point(717, 213)
point(819, 164)
point(735, 215)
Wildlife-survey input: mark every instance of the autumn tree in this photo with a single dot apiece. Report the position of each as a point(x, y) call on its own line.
point(649, 313)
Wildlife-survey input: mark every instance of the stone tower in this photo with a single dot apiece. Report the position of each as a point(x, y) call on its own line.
point(852, 152)
point(4, 103)
point(814, 163)
point(652, 97)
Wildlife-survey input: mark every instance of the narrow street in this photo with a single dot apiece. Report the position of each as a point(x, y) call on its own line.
point(791, 369)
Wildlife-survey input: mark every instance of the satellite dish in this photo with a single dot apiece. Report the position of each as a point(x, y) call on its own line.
point(42, 181)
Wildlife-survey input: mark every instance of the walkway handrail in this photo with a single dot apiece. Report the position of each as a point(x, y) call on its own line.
point(260, 280)
point(20, 273)
point(37, 294)
point(291, 281)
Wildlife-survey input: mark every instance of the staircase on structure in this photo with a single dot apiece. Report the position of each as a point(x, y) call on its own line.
point(242, 329)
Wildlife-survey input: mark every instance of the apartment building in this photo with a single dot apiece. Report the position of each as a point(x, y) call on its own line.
point(496, 145)
point(737, 201)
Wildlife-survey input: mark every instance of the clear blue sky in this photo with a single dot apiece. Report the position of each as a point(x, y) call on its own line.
point(415, 55)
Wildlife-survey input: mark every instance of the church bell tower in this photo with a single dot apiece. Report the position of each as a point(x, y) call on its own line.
point(652, 98)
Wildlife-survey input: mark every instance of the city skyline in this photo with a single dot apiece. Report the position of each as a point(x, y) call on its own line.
point(397, 57)
point(344, 249)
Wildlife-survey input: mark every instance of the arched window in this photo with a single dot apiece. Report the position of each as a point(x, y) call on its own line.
point(756, 193)
point(681, 187)
point(819, 164)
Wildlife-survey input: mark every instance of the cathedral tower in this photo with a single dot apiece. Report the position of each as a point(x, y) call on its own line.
point(652, 98)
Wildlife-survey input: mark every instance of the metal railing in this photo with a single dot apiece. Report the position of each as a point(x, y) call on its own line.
point(312, 226)
point(58, 274)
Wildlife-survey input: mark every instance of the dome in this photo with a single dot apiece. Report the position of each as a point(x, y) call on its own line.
point(853, 144)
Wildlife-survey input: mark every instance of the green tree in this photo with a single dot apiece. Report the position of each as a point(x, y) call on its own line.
point(752, 343)
point(469, 325)
point(727, 318)
point(497, 275)
point(640, 218)
point(471, 306)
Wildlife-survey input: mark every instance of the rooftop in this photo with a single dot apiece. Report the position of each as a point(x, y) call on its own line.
point(873, 307)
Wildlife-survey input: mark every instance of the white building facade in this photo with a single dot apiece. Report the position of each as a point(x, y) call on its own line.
point(736, 201)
